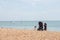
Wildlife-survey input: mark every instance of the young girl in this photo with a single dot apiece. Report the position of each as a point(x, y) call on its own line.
point(45, 26)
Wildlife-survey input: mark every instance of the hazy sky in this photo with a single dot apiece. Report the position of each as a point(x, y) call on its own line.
point(29, 10)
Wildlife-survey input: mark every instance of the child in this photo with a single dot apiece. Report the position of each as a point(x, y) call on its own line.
point(45, 26)
point(34, 27)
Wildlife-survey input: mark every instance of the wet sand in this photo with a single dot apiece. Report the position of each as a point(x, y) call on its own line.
point(14, 34)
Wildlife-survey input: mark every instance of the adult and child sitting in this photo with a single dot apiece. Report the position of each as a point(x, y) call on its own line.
point(41, 26)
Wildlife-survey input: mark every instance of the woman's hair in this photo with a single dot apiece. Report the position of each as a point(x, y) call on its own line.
point(40, 24)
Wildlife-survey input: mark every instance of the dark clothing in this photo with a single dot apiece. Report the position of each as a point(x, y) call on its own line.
point(40, 26)
point(45, 26)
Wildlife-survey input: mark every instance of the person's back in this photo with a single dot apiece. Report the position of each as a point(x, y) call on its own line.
point(40, 26)
point(45, 26)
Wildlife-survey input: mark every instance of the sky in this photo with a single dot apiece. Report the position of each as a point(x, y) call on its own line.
point(29, 10)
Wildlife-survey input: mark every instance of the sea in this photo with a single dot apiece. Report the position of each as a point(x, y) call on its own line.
point(29, 25)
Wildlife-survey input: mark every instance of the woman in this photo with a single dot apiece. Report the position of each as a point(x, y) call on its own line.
point(40, 26)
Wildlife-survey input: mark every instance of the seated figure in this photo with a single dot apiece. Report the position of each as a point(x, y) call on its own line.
point(40, 26)
point(45, 26)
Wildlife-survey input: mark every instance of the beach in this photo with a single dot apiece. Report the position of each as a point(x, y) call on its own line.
point(17, 34)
